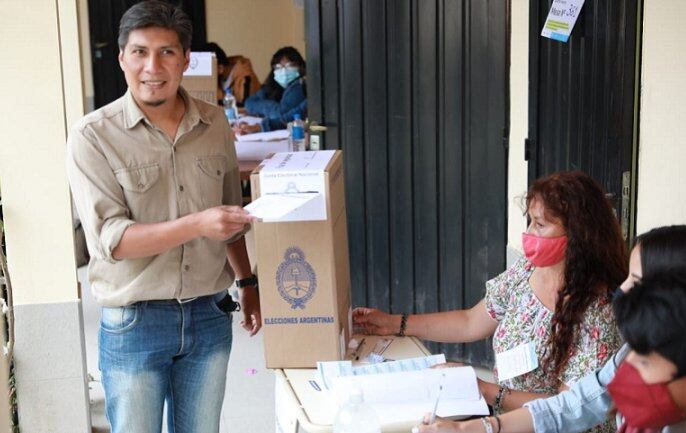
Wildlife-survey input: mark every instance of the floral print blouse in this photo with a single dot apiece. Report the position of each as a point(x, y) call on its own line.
point(523, 318)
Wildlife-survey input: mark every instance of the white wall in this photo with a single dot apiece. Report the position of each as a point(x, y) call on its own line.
point(255, 28)
point(662, 147)
point(44, 97)
point(40, 99)
point(86, 61)
point(519, 109)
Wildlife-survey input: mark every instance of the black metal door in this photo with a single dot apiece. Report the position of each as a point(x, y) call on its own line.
point(582, 97)
point(104, 17)
point(415, 93)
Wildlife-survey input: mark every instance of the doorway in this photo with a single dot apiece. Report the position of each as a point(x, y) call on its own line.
point(415, 94)
point(583, 99)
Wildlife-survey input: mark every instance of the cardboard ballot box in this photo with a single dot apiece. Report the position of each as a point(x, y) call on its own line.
point(302, 258)
point(200, 79)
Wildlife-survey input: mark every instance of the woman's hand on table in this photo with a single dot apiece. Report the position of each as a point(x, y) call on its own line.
point(439, 425)
point(376, 322)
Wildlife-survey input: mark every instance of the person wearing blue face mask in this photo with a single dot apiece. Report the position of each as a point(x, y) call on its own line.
point(282, 95)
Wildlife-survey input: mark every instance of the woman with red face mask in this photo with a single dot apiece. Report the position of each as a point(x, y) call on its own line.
point(658, 253)
point(652, 321)
point(553, 304)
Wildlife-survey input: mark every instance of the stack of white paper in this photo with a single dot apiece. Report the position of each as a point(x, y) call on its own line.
point(256, 147)
point(407, 396)
point(279, 134)
point(259, 150)
point(250, 120)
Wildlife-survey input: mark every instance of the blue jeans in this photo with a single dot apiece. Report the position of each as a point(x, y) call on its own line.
point(156, 350)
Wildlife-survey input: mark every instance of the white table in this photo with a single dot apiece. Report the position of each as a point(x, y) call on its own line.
point(300, 408)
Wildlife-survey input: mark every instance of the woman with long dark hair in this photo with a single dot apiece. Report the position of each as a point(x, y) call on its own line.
point(282, 95)
point(660, 252)
point(555, 301)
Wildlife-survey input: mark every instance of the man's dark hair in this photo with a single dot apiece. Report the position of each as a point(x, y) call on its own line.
point(155, 13)
point(652, 317)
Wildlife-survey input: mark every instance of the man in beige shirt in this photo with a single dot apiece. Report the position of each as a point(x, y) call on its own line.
point(155, 180)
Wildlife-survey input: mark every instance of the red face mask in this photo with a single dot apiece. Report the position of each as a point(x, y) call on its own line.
point(642, 405)
point(544, 251)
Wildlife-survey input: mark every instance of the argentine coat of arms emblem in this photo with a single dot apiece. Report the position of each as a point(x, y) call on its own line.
point(295, 278)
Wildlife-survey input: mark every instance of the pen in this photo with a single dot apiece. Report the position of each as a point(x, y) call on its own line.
point(438, 397)
point(356, 353)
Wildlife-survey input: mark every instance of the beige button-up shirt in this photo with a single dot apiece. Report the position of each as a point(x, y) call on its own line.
point(124, 170)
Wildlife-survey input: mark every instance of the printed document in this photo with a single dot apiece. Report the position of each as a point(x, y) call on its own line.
point(561, 19)
point(327, 371)
point(516, 361)
point(408, 395)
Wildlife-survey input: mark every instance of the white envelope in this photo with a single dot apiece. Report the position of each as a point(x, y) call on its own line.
point(287, 207)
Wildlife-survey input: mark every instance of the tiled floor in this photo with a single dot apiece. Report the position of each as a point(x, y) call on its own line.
point(249, 402)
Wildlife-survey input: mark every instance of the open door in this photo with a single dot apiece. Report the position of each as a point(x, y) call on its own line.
point(415, 94)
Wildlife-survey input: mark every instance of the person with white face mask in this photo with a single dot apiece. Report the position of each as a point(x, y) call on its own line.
point(281, 97)
point(552, 305)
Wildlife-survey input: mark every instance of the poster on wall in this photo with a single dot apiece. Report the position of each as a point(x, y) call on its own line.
point(561, 19)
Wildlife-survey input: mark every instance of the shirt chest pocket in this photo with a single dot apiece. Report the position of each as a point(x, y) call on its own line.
point(212, 169)
point(138, 185)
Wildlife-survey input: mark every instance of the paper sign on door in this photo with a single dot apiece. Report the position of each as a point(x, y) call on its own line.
point(517, 361)
point(561, 19)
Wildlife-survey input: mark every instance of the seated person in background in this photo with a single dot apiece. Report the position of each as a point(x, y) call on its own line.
point(661, 251)
point(241, 79)
point(558, 297)
point(282, 95)
point(235, 72)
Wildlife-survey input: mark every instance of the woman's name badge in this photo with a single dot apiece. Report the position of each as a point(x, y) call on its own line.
point(517, 361)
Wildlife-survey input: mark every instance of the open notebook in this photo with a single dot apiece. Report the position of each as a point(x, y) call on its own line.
point(407, 394)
